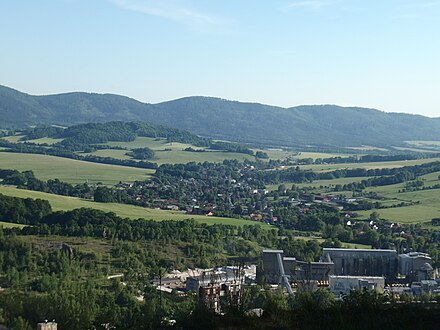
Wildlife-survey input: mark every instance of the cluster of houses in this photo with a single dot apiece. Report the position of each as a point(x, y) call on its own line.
point(220, 197)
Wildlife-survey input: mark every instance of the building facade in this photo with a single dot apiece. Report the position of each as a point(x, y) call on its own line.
point(363, 262)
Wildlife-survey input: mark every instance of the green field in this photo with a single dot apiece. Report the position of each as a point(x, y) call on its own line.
point(415, 149)
point(114, 153)
point(65, 203)
point(316, 185)
point(170, 152)
point(408, 214)
point(284, 154)
point(344, 245)
point(367, 148)
point(13, 138)
point(428, 208)
point(426, 145)
point(372, 165)
point(173, 153)
point(69, 170)
point(45, 140)
point(10, 225)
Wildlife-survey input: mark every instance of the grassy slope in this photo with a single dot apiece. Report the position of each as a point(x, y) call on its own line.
point(45, 140)
point(69, 170)
point(10, 225)
point(428, 208)
point(283, 154)
point(373, 165)
point(318, 183)
point(13, 138)
point(173, 154)
point(344, 245)
point(126, 211)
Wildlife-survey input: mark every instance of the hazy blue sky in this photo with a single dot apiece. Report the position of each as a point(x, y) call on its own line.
point(374, 53)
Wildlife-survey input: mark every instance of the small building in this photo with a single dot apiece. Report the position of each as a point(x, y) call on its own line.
point(342, 285)
point(209, 298)
point(47, 326)
point(425, 286)
point(193, 283)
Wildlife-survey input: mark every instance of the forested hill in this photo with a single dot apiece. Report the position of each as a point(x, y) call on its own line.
point(222, 119)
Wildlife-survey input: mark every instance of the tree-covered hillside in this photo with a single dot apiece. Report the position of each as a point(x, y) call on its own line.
point(221, 119)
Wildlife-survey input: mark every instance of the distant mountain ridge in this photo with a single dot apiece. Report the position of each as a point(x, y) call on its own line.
point(327, 125)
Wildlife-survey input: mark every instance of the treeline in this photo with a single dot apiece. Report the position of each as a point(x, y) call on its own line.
point(389, 175)
point(141, 153)
point(27, 180)
point(206, 242)
point(230, 147)
point(79, 137)
point(23, 211)
point(41, 131)
point(368, 158)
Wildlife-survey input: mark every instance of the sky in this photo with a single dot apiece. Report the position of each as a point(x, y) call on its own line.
point(381, 54)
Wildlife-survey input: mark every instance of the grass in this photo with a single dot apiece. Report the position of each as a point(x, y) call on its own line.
point(316, 185)
point(11, 225)
point(279, 154)
point(415, 149)
point(72, 171)
point(45, 140)
point(13, 138)
point(114, 153)
point(315, 155)
point(344, 245)
point(170, 153)
point(372, 165)
point(430, 145)
point(409, 214)
point(367, 148)
point(428, 207)
point(173, 153)
point(64, 203)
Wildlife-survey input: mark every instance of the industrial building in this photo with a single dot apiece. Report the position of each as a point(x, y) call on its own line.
point(283, 270)
point(363, 262)
point(341, 285)
point(416, 266)
point(308, 271)
point(347, 269)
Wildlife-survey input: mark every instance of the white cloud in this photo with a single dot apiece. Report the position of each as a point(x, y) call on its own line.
point(167, 10)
